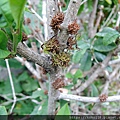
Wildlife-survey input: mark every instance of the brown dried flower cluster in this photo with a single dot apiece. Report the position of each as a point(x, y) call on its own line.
point(57, 20)
point(103, 97)
point(70, 43)
point(24, 37)
point(58, 83)
point(73, 27)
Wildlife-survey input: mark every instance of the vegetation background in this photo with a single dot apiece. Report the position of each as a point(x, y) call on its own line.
point(88, 85)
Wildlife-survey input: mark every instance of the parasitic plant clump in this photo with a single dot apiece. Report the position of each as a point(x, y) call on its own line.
point(73, 28)
point(56, 21)
point(58, 83)
point(61, 59)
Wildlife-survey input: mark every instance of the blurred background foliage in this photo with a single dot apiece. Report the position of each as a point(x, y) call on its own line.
point(31, 99)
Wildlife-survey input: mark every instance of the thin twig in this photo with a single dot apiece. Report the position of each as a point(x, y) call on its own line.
point(12, 85)
point(83, 2)
point(109, 17)
point(87, 99)
point(44, 8)
point(92, 19)
point(33, 11)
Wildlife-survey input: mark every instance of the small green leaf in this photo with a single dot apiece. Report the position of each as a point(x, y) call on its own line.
point(90, 5)
point(3, 40)
point(3, 110)
point(40, 110)
point(17, 8)
point(78, 74)
point(109, 1)
point(38, 93)
point(30, 85)
point(24, 76)
point(99, 56)
point(65, 110)
point(78, 55)
point(69, 75)
point(94, 92)
point(3, 45)
point(83, 44)
point(86, 62)
point(3, 22)
point(4, 53)
point(80, 9)
point(99, 46)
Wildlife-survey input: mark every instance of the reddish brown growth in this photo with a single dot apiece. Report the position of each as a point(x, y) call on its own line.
point(46, 92)
point(62, 4)
point(73, 27)
point(103, 97)
point(57, 20)
point(24, 37)
point(70, 43)
point(28, 21)
point(58, 83)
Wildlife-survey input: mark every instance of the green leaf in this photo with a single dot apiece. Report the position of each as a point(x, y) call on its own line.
point(115, 2)
point(69, 75)
point(105, 31)
point(78, 55)
point(109, 1)
point(65, 110)
point(6, 12)
point(78, 74)
point(80, 9)
point(13, 63)
point(3, 22)
point(90, 5)
point(3, 40)
point(99, 46)
point(62, 102)
point(17, 8)
point(4, 53)
point(30, 85)
point(110, 37)
point(3, 110)
point(86, 62)
point(24, 76)
point(3, 45)
point(23, 107)
point(39, 93)
point(40, 109)
point(94, 92)
point(99, 56)
point(83, 44)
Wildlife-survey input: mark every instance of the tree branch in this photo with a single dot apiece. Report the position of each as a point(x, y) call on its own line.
point(43, 61)
point(87, 99)
point(92, 19)
point(70, 16)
